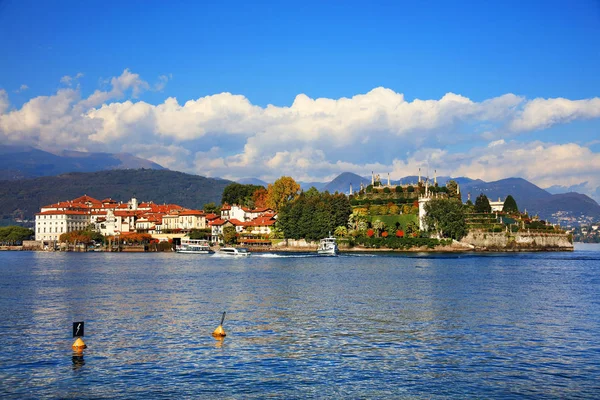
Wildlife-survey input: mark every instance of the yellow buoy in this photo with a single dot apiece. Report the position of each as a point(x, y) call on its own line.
point(79, 345)
point(219, 333)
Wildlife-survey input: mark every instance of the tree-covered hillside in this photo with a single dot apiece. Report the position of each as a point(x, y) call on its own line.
point(21, 199)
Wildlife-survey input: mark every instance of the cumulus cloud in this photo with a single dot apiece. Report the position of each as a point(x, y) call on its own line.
point(119, 85)
point(226, 135)
point(543, 113)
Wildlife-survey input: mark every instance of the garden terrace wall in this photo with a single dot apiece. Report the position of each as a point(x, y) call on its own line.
point(519, 241)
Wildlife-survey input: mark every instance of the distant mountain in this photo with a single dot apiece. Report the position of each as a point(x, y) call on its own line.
point(558, 189)
point(317, 185)
point(342, 183)
point(252, 181)
point(533, 198)
point(576, 204)
point(18, 162)
point(21, 199)
point(524, 192)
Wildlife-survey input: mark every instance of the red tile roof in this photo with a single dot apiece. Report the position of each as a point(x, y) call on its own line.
point(236, 222)
point(191, 212)
point(62, 212)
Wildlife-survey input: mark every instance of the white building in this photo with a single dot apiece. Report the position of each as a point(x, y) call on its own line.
point(49, 225)
point(497, 205)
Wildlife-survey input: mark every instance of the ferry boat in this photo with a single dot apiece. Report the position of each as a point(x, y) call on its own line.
point(328, 246)
point(194, 246)
point(234, 251)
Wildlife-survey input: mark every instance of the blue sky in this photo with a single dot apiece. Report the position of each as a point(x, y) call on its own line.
point(270, 53)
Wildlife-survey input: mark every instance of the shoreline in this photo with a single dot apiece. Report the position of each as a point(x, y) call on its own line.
point(287, 249)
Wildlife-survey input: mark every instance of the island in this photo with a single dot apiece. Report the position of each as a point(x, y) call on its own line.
point(412, 216)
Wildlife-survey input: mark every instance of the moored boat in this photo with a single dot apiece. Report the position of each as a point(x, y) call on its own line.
point(194, 246)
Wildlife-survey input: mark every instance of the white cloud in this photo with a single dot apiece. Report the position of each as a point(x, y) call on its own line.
point(119, 85)
point(4, 103)
point(68, 80)
point(544, 113)
point(21, 88)
point(162, 82)
point(312, 139)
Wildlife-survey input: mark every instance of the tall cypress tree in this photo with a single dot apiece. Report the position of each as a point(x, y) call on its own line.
point(482, 204)
point(510, 205)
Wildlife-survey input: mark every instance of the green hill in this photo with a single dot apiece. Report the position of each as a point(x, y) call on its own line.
point(21, 199)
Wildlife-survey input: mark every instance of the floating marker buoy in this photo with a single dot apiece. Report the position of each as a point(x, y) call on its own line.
point(79, 345)
point(219, 333)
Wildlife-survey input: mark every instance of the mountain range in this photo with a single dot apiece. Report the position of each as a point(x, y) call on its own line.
point(30, 178)
point(21, 199)
point(529, 197)
point(18, 162)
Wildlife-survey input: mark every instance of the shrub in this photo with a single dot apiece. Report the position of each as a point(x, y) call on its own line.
point(386, 190)
point(398, 189)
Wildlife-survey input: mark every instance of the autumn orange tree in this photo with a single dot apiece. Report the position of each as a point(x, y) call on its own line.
point(134, 238)
point(260, 197)
point(281, 191)
point(84, 236)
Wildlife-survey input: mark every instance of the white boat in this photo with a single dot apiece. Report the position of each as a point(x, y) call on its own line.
point(234, 251)
point(194, 246)
point(328, 247)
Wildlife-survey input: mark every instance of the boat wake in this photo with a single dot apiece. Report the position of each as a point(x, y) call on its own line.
point(278, 255)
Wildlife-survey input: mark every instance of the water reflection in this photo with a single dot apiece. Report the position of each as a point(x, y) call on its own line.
point(78, 360)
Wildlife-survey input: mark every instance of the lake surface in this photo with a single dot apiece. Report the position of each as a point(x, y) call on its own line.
point(299, 326)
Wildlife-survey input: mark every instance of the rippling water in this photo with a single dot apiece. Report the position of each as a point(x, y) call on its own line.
point(299, 326)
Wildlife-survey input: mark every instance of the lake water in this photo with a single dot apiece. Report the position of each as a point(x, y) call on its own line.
point(300, 326)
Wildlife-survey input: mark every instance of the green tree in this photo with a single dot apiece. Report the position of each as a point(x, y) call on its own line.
point(379, 226)
point(201, 234)
point(355, 218)
point(15, 234)
point(236, 193)
point(212, 208)
point(412, 227)
point(341, 231)
point(276, 232)
point(446, 217)
point(312, 192)
point(282, 191)
point(510, 205)
point(314, 217)
point(482, 204)
point(229, 235)
point(452, 189)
